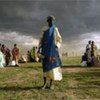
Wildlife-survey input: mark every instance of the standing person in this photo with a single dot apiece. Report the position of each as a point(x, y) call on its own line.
point(0, 46)
point(33, 53)
point(88, 53)
point(49, 44)
point(93, 53)
point(16, 54)
point(94, 49)
point(2, 60)
point(3, 49)
point(7, 54)
point(28, 56)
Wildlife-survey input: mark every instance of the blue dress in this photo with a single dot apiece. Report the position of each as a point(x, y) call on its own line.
point(49, 50)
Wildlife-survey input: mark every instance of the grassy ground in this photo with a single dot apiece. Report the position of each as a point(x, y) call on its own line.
point(23, 83)
point(71, 60)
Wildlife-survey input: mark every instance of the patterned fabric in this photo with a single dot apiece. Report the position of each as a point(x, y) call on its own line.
point(88, 53)
point(50, 50)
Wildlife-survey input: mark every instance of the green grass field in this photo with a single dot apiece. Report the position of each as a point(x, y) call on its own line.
point(71, 60)
point(23, 83)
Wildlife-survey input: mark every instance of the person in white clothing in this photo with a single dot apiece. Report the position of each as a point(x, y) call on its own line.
point(2, 60)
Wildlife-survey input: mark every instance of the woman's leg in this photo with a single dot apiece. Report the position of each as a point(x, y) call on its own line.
point(45, 83)
point(51, 84)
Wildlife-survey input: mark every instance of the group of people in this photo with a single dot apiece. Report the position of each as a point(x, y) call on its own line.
point(90, 56)
point(48, 49)
point(7, 57)
point(32, 55)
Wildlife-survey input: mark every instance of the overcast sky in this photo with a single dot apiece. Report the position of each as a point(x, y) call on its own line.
point(77, 20)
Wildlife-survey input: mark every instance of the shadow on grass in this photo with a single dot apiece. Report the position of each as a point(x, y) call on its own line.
point(71, 66)
point(63, 66)
point(28, 67)
point(88, 74)
point(16, 88)
point(77, 66)
point(84, 87)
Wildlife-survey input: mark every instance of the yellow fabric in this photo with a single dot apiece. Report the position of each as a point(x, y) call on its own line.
point(94, 48)
point(33, 53)
point(58, 38)
point(16, 54)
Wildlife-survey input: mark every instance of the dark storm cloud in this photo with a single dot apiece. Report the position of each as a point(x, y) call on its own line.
point(20, 16)
point(73, 17)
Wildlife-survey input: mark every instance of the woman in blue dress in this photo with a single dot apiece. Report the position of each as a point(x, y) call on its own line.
point(50, 43)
